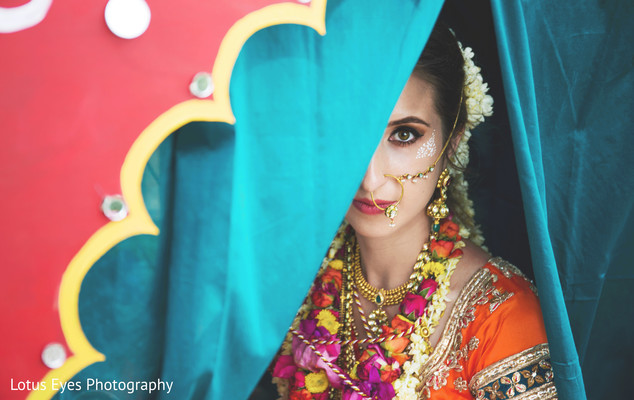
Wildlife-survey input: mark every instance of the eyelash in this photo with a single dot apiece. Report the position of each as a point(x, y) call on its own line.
point(413, 132)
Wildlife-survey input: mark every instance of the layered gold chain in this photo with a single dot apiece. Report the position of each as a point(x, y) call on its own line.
point(380, 297)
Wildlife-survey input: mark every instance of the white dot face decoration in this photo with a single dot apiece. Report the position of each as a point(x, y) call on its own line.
point(428, 148)
point(127, 19)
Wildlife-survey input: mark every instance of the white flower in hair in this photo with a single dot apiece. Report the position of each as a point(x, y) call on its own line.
point(479, 105)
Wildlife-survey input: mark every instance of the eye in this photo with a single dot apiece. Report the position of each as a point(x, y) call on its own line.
point(404, 136)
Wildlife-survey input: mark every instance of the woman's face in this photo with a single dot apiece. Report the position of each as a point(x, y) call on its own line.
point(411, 143)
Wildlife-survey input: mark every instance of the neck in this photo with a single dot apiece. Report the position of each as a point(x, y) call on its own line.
point(388, 261)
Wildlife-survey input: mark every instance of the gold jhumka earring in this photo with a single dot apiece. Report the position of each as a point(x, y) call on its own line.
point(438, 209)
point(390, 211)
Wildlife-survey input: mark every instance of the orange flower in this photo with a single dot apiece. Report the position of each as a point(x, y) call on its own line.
point(456, 253)
point(450, 230)
point(321, 298)
point(400, 323)
point(396, 345)
point(300, 395)
point(332, 276)
point(442, 248)
point(395, 348)
point(389, 374)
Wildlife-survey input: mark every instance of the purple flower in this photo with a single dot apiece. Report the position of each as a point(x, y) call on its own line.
point(307, 358)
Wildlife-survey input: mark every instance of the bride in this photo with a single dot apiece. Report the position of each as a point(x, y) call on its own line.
point(407, 304)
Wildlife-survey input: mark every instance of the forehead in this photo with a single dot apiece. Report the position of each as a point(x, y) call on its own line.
point(417, 99)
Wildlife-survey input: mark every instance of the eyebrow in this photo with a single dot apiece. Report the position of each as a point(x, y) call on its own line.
point(408, 120)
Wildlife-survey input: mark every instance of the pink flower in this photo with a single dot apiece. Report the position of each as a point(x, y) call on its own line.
point(379, 391)
point(375, 367)
point(306, 358)
point(284, 367)
point(427, 288)
point(321, 396)
point(413, 305)
point(300, 379)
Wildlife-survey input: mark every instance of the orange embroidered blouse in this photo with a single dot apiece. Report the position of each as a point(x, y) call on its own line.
point(494, 345)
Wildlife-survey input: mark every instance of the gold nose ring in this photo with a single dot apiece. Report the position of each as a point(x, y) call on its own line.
point(390, 211)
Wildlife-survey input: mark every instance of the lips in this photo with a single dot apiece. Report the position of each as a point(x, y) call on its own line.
point(367, 207)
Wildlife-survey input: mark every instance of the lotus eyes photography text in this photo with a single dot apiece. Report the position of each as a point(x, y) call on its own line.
point(96, 385)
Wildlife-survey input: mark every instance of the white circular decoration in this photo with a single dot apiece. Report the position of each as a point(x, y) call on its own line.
point(114, 207)
point(202, 85)
point(14, 19)
point(54, 355)
point(128, 19)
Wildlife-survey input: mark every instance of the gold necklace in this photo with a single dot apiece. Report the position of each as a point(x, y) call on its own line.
point(382, 297)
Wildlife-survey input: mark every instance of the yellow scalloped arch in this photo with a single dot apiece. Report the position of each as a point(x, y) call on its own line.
point(138, 221)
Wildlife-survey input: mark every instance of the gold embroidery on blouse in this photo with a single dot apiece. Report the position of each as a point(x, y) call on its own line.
point(508, 270)
point(525, 375)
point(498, 298)
point(460, 384)
point(434, 373)
point(480, 290)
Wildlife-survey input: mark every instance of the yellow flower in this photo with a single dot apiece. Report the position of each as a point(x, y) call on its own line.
point(353, 373)
point(433, 268)
point(316, 382)
point(336, 264)
point(326, 319)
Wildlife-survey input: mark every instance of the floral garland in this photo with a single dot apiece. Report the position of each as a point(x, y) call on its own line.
point(479, 105)
point(307, 365)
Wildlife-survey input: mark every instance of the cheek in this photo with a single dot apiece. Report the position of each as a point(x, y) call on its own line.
point(417, 196)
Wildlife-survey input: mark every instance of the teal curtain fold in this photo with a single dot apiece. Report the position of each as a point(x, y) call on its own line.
point(567, 69)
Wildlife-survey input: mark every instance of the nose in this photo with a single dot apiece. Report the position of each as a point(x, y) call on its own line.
point(374, 176)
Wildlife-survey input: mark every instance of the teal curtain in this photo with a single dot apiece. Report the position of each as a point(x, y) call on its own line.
point(567, 69)
point(246, 211)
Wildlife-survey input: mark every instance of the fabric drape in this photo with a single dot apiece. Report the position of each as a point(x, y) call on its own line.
point(247, 211)
point(568, 80)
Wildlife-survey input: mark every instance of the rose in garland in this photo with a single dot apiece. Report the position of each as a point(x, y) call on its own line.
point(450, 230)
point(284, 367)
point(332, 276)
point(395, 348)
point(427, 288)
point(301, 394)
point(325, 295)
point(413, 305)
point(440, 248)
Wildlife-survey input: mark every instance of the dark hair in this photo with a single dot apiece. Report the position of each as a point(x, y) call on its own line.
point(441, 64)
